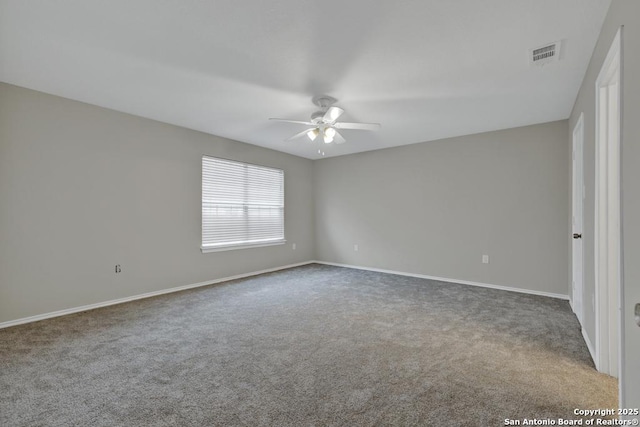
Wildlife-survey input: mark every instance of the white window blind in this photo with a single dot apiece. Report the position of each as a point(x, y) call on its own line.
point(242, 205)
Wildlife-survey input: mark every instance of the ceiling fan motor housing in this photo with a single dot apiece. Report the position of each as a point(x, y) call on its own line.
point(317, 117)
point(324, 101)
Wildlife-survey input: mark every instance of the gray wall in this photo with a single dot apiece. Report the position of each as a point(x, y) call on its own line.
point(627, 13)
point(83, 188)
point(434, 208)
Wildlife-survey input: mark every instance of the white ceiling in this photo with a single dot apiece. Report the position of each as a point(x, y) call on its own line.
point(424, 69)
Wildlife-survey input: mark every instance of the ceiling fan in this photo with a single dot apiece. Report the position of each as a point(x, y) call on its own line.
point(323, 122)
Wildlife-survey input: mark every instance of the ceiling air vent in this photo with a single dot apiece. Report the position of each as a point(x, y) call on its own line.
point(545, 54)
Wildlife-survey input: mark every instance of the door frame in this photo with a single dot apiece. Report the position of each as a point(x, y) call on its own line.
point(577, 218)
point(607, 235)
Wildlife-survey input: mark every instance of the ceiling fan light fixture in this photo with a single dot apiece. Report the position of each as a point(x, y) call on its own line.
point(313, 134)
point(329, 133)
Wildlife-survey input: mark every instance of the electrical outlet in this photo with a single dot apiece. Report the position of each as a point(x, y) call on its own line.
point(118, 269)
point(293, 246)
point(355, 247)
point(485, 259)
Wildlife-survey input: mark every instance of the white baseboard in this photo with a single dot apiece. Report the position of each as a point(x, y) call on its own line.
point(444, 279)
point(269, 270)
point(589, 345)
point(142, 296)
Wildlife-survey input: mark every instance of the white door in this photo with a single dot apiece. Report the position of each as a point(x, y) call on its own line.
point(607, 214)
point(577, 218)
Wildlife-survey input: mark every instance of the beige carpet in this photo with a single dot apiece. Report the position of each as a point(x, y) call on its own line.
point(309, 346)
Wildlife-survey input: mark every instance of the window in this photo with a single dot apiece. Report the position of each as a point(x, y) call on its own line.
point(242, 205)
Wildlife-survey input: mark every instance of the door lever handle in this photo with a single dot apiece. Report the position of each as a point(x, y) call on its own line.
point(577, 236)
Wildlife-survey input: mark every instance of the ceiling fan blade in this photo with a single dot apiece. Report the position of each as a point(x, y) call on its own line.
point(339, 139)
point(293, 121)
point(358, 126)
point(332, 114)
point(298, 135)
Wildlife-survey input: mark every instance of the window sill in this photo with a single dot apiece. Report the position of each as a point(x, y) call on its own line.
point(206, 250)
